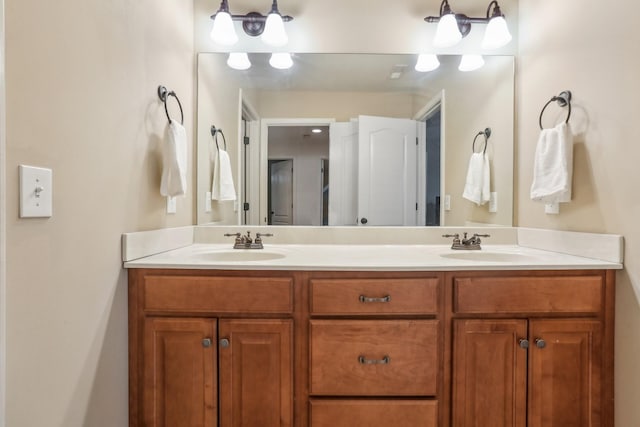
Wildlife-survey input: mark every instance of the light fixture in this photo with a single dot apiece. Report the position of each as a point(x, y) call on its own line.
point(497, 33)
point(223, 31)
point(452, 27)
point(253, 23)
point(239, 61)
point(427, 62)
point(281, 60)
point(471, 62)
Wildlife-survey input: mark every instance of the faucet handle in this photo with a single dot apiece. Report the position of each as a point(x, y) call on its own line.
point(455, 236)
point(231, 234)
point(482, 235)
point(259, 236)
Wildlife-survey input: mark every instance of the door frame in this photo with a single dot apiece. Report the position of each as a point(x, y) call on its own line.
point(438, 100)
point(265, 124)
point(3, 227)
point(249, 179)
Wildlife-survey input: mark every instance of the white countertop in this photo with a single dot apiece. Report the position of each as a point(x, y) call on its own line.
point(353, 257)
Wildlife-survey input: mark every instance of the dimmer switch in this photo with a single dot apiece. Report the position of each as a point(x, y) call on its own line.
point(36, 192)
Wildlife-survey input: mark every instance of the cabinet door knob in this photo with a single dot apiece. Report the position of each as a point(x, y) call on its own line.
point(224, 343)
point(206, 343)
point(540, 343)
point(524, 343)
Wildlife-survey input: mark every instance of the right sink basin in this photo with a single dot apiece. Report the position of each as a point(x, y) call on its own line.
point(482, 256)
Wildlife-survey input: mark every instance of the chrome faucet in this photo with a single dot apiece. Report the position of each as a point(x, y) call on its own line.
point(246, 242)
point(469, 244)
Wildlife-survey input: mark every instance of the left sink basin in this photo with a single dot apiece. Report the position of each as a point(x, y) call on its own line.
point(239, 255)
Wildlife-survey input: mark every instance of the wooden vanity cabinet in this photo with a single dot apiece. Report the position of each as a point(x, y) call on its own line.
point(531, 350)
point(210, 350)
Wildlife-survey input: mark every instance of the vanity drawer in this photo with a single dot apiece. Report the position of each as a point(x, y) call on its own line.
point(374, 357)
point(373, 413)
point(572, 294)
point(198, 294)
point(374, 296)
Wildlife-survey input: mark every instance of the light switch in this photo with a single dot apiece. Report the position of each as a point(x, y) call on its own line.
point(171, 205)
point(447, 202)
point(207, 201)
point(552, 208)
point(493, 202)
point(36, 192)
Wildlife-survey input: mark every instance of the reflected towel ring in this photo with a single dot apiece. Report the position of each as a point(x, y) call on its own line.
point(214, 133)
point(563, 100)
point(486, 133)
point(163, 94)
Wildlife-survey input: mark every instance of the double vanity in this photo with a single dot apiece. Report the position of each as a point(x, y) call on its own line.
point(315, 330)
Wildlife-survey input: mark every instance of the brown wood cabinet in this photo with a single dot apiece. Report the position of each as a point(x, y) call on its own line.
point(376, 349)
point(536, 358)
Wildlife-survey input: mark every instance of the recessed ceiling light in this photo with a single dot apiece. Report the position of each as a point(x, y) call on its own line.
point(316, 130)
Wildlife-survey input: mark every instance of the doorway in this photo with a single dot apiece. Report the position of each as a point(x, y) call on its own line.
point(280, 189)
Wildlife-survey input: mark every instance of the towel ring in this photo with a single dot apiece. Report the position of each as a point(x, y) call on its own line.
point(214, 133)
point(563, 100)
point(164, 94)
point(486, 133)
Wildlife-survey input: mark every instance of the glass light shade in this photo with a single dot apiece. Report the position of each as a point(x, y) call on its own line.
point(497, 33)
point(223, 31)
point(239, 61)
point(274, 33)
point(281, 61)
point(447, 33)
point(471, 62)
point(427, 62)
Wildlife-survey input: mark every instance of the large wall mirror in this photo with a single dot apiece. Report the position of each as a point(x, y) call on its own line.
point(354, 139)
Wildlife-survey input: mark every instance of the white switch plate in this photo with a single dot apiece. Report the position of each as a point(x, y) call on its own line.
point(493, 202)
point(36, 192)
point(447, 202)
point(171, 205)
point(207, 202)
point(552, 208)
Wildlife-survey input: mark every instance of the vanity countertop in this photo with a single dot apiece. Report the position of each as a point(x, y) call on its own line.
point(349, 257)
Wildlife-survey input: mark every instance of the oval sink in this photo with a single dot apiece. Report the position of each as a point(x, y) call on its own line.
point(239, 255)
point(487, 256)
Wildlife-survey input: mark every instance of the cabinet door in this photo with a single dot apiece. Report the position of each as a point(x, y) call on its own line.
point(179, 373)
point(489, 371)
point(256, 379)
point(565, 373)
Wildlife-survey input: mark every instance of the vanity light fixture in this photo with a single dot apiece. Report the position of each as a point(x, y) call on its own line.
point(452, 27)
point(427, 62)
point(271, 27)
point(471, 62)
point(239, 61)
point(281, 60)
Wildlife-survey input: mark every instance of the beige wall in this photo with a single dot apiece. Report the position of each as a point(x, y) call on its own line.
point(81, 80)
point(591, 50)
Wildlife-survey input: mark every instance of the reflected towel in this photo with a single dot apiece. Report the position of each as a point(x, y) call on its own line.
point(222, 187)
point(174, 161)
point(477, 186)
point(553, 165)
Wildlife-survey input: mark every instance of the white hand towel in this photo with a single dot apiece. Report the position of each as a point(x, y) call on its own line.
point(174, 155)
point(222, 187)
point(477, 187)
point(553, 165)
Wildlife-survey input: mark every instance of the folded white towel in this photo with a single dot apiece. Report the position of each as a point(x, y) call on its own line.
point(222, 187)
point(553, 165)
point(477, 187)
point(174, 156)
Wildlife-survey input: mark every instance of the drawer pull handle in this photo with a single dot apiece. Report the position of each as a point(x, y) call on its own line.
point(364, 361)
point(368, 299)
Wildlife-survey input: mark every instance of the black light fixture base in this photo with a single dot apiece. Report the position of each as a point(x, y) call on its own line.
point(253, 23)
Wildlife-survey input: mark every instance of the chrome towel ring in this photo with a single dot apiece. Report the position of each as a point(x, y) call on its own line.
point(486, 133)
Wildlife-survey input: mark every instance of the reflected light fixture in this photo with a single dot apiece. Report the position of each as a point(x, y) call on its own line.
point(427, 62)
point(452, 27)
point(239, 61)
point(471, 62)
point(281, 60)
point(271, 27)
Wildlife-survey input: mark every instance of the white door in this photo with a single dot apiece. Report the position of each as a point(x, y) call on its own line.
point(343, 173)
point(282, 192)
point(387, 182)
